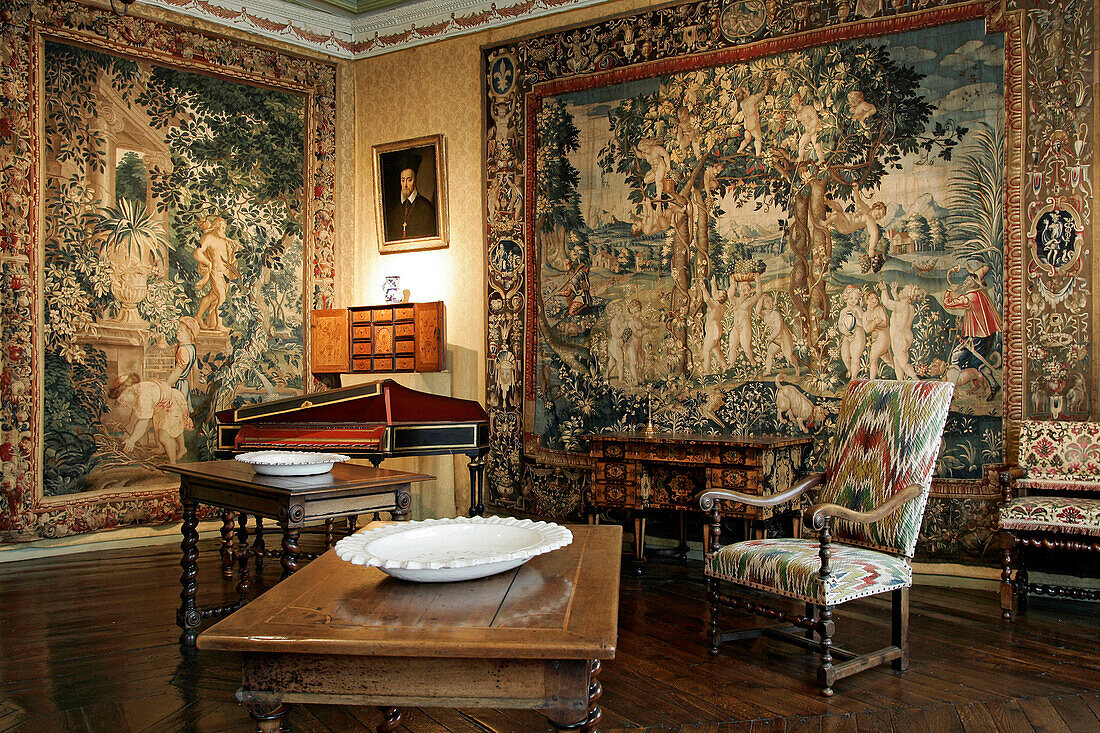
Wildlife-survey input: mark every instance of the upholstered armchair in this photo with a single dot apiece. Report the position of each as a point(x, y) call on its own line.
point(869, 504)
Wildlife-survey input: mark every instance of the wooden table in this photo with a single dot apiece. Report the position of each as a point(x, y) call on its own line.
point(753, 464)
point(292, 500)
point(337, 633)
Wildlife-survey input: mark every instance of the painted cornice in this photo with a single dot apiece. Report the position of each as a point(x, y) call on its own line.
point(355, 36)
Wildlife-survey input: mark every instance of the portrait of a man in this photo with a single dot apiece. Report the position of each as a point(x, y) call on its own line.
point(414, 215)
point(409, 183)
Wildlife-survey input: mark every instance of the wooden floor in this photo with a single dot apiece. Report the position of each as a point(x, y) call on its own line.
point(88, 643)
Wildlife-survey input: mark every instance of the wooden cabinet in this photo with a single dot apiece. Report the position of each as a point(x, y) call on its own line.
point(399, 337)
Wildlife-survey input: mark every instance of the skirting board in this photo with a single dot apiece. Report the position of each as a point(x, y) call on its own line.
point(113, 539)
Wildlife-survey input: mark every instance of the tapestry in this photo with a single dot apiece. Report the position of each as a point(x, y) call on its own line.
point(713, 226)
point(185, 228)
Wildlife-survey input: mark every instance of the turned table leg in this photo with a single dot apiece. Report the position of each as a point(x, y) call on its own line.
point(595, 691)
point(268, 716)
point(187, 616)
point(227, 544)
point(391, 718)
point(289, 557)
point(244, 581)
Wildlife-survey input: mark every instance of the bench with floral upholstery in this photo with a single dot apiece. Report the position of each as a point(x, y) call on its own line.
point(1051, 501)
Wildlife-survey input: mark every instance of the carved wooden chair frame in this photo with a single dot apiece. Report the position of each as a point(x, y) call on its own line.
point(818, 619)
point(1018, 541)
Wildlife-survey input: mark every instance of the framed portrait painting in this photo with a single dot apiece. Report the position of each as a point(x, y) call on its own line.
point(410, 194)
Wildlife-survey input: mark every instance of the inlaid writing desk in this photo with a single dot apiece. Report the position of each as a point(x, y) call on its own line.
point(293, 501)
point(343, 634)
point(628, 469)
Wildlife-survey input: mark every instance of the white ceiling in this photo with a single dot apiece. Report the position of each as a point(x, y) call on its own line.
point(354, 29)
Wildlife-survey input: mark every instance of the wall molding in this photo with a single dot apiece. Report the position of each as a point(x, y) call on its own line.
point(351, 36)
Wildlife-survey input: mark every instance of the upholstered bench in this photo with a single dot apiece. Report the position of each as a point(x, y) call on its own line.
point(1051, 501)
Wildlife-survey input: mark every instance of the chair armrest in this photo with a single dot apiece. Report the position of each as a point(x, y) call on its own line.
point(815, 515)
point(707, 499)
point(1009, 476)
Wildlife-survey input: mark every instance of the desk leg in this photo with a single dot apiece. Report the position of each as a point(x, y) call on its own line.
point(639, 541)
point(477, 486)
point(290, 550)
point(391, 719)
point(682, 548)
point(187, 616)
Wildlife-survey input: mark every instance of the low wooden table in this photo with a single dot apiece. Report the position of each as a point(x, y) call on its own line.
point(292, 500)
point(337, 633)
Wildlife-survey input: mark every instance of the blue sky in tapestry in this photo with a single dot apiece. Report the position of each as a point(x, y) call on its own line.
point(727, 247)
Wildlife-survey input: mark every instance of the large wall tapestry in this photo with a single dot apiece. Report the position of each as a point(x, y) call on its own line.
point(183, 233)
point(697, 216)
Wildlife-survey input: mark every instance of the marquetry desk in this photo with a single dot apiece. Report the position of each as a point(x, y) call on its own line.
point(626, 465)
point(532, 637)
point(293, 501)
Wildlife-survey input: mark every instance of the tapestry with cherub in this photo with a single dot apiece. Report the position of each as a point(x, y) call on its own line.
point(718, 243)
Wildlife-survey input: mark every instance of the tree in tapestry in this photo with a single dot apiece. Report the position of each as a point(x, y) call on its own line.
point(724, 248)
point(173, 262)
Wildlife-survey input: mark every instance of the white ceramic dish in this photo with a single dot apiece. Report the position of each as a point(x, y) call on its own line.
point(443, 550)
point(291, 463)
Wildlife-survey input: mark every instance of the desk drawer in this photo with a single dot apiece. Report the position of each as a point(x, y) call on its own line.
point(745, 480)
point(670, 453)
point(615, 484)
point(614, 495)
point(739, 456)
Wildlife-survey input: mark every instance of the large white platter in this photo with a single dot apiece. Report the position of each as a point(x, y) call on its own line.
point(442, 550)
point(291, 463)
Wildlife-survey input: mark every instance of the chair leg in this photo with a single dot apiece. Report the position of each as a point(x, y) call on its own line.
point(712, 600)
point(811, 613)
point(900, 627)
point(1007, 591)
point(825, 627)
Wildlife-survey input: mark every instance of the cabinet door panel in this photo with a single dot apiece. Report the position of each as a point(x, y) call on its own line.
point(328, 339)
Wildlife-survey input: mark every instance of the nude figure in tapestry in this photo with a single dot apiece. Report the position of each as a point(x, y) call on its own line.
point(860, 108)
point(876, 324)
point(778, 335)
point(687, 137)
point(217, 258)
point(712, 328)
point(853, 337)
point(808, 117)
point(660, 163)
point(864, 217)
point(750, 111)
point(902, 309)
point(742, 305)
point(632, 337)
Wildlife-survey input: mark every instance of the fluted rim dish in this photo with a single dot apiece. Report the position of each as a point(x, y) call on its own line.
point(289, 458)
point(450, 547)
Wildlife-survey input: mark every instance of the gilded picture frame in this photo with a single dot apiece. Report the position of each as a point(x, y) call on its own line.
point(410, 195)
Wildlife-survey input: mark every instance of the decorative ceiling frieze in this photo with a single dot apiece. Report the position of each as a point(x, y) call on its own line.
point(330, 29)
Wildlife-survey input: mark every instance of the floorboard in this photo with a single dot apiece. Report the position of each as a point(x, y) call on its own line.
point(88, 643)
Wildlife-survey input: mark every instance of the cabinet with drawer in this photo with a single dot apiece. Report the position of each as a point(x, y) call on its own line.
point(401, 337)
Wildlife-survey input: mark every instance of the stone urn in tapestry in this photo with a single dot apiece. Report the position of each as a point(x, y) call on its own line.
point(133, 242)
